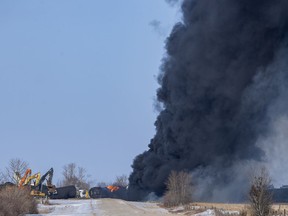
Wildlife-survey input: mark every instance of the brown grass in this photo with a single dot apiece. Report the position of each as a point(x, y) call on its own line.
point(14, 201)
point(244, 209)
point(219, 208)
point(225, 206)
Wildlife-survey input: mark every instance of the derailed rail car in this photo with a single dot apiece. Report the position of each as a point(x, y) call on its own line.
point(279, 195)
point(66, 192)
point(104, 192)
point(99, 192)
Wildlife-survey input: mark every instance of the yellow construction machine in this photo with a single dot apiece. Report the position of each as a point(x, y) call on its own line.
point(37, 189)
point(36, 176)
point(36, 186)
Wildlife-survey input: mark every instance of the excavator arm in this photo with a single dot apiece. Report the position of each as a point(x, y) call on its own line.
point(23, 179)
point(49, 179)
point(48, 176)
point(36, 176)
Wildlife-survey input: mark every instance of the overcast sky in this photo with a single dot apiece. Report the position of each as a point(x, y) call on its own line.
point(78, 82)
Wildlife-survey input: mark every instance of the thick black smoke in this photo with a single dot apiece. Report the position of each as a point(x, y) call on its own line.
point(215, 93)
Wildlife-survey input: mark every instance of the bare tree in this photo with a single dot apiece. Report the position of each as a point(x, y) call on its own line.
point(121, 181)
point(74, 175)
point(15, 165)
point(102, 184)
point(179, 189)
point(259, 195)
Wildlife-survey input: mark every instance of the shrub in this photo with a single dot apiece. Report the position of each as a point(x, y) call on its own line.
point(259, 195)
point(179, 189)
point(14, 201)
point(243, 212)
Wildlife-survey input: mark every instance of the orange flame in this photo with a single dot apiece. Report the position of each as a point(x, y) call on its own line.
point(112, 188)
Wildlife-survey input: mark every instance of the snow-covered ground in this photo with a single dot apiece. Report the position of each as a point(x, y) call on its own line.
point(111, 207)
point(211, 212)
point(69, 207)
point(101, 207)
point(208, 212)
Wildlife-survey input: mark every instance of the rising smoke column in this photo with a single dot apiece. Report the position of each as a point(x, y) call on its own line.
point(217, 85)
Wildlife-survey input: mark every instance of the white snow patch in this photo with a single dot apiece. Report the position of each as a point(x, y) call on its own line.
point(69, 207)
point(208, 212)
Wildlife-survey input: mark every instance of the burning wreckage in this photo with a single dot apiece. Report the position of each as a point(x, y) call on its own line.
point(109, 192)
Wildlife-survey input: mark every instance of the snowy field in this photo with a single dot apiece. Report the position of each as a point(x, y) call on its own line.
point(116, 207)
point(101, 207)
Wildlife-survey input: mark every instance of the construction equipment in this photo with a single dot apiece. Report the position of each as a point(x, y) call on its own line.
point(36, 193)
point(23, 179)
point(38, 188)
point(30, 178)
point(41, 189)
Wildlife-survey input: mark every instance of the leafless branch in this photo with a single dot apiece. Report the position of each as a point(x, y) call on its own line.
point(121, 181)
point(15, 165)
point(74, 175)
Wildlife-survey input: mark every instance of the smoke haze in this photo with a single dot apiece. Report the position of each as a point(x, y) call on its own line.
point(223, 90)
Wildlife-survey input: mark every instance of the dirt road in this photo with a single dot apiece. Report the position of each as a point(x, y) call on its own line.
point(102, 207)
point(111, 207)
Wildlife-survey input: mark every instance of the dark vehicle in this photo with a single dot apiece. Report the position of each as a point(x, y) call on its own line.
point(279, 195)
point(66, 192)
point(108, 192)
point(99, 192)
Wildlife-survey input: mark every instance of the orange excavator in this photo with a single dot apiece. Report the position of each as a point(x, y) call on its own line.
point(26, 181)
point(23, 179)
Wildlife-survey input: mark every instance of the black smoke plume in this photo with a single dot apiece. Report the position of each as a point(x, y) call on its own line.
point(218, 80)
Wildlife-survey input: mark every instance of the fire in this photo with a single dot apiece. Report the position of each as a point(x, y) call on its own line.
point(112, 188)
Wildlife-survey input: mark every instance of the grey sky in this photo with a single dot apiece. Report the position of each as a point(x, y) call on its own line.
point(77, 82)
